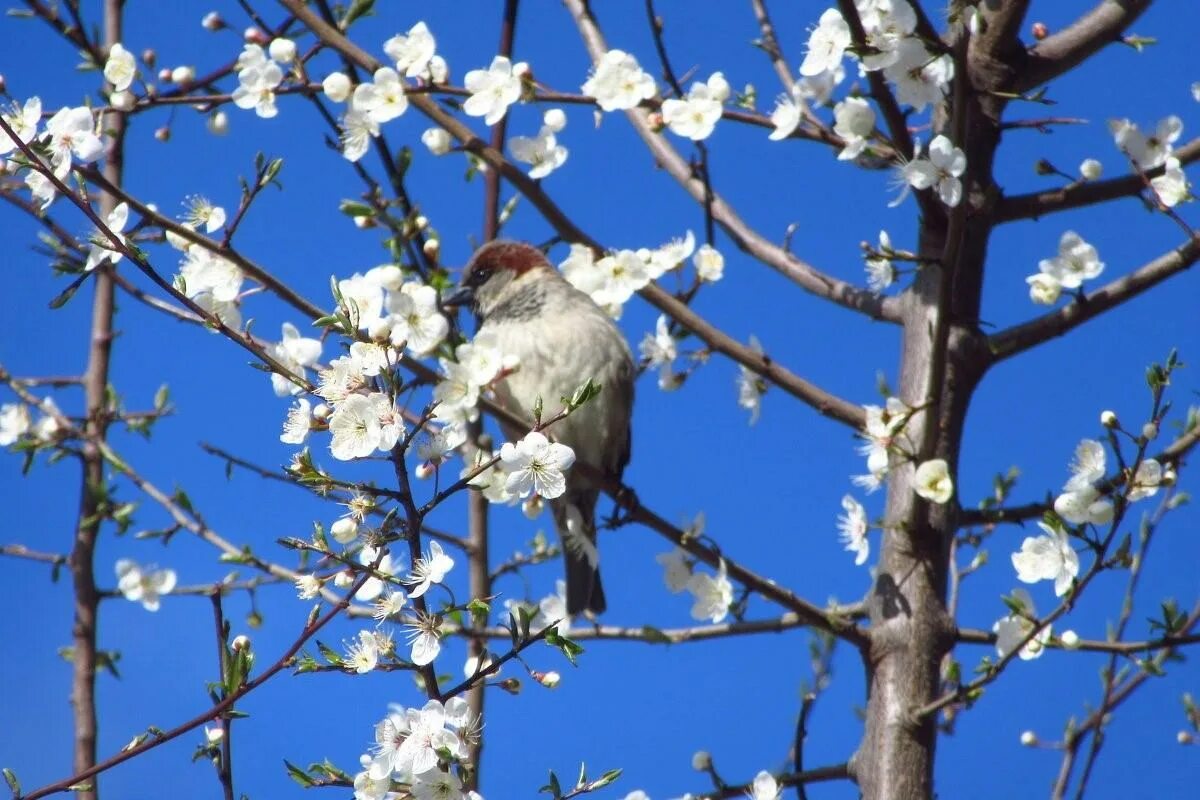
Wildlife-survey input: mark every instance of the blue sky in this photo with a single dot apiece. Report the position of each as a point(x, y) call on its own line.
point(770, 492)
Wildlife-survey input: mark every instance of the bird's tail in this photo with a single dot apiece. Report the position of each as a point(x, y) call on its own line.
point(575, 519)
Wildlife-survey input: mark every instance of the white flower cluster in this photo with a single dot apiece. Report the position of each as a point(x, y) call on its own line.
point(16, 422)
point(941, 171)
point(919, 76)
point(144, 585)
point(884, 434)
point(410, 746)
point(542, 152)
point(1149, 152)
point(1051, 556)
point(617, 83)
point(211, 281)
point(69, 134)
point(1076, 262)
point(494, 89)
point(696, 114)
point(550, 610)
point(383, 98)
point(611, 280)
point(258, 76)
point(712, 595)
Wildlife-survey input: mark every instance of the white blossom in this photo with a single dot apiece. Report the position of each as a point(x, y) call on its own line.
point(430, 569)
point(120, 68)
point(1076, 262)
point(493, 89)
point(695, 115)
point(712, 595)
point(298, 423)
point(826, 44)
point(1049, 557)
point(943, 168)
point(852, 530)
point(1012, 629)
point(854, 122)
point(709, 263)
point(618, 83)
point(412, 51)
point(536, 465)
point(1172, 186)
point(920, 77)
point(933, 481)
point(1145, 151)
point(143, 585)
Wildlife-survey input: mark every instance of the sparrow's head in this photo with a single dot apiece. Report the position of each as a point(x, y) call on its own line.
point(496, 272)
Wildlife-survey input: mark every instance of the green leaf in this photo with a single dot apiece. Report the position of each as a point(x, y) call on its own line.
point(354, 208)
point(10, 778)
point(331, 655)
point(552, 788)
point(298, 775)
point(358, 9)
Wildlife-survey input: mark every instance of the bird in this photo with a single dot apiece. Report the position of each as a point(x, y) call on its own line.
point(560, 339)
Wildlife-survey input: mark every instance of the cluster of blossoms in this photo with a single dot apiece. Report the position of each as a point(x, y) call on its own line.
point(941, 171)
point(712, 595)
point(1149, 152)
point(542, 152)
point(611, 280)
point(70, 134)
point(1051, 556)
point(920, 76)
point(16, 422)
point(383, 98)
point(1076, 262)
point(144, 585)
point(617, 83)
point(411, 747)
point(550, 610)
point(696, 114)
point(212, 281)
point(883, 434)
point(259, 74)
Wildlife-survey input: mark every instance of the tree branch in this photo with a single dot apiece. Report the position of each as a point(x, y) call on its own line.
point(1062, 51)
point(1019, 338)
point(1085, 193)
point(746, 238)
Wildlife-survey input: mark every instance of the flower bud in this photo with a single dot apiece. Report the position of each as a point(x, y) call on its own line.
point(122, 101)
point(655, 118)
point(149, 57)
point(554, 119)
point(253, 35)
point(432, 247)
point(184, 74)
point(1069, 639)
point(212, 21)
point(421, 222)
point(322, 412)
point(521, 70)
point(218, 123)
point(1185, 737)
point(437, 140)
point(239, 643)
point(548, 679)
point(1040, 31)
point(1091, 169)
point(701, 761)
point(423, 470)
point(532, 506)
point(1029, 739)
point(3, 85)
point(336, 86)
point(214, 735)
point(282, 50)
point(344, 530)
point(164, 75)
point(364, 222)
point(1149, 431)
point(163, 134)
point(1109, 419)
point(379, 329)
point(343, 579)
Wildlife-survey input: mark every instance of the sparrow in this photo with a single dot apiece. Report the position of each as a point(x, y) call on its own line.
point(560, 339)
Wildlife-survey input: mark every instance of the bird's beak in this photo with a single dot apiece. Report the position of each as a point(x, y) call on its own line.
point(459, 296)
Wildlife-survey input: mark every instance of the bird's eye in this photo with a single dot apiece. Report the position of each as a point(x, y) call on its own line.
point(479, 276)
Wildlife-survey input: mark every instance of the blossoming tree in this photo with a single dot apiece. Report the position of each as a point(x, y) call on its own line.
point(390, 422)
